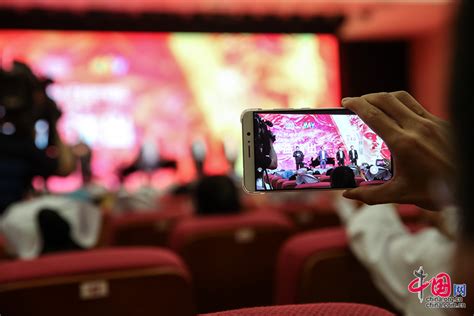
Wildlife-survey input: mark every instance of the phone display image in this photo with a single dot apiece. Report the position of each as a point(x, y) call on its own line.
point(330, 149)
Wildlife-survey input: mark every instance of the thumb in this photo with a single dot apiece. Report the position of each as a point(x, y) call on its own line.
point(373, 194)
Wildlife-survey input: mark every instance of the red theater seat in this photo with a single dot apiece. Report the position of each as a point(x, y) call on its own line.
point(274, 180)
point(314, 214)
point(127, 281)
point(279, 183)
point(324, 178)
point(289, 184)
point(232, 258)
point(319, 267)
point(144, 229)
point(319, 185)
point(321, 309)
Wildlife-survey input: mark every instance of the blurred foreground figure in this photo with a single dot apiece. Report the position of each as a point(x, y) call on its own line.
point(29, 143)
point(391, 253)
point(414, 134)
point(462, 101)
point(50, 224)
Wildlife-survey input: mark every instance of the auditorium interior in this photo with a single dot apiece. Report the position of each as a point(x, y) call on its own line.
point(121, 157)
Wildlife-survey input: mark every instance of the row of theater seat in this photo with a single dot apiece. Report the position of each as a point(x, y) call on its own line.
point(233, 261)
point(124, 282)
point(325, 183)
point(154, 228)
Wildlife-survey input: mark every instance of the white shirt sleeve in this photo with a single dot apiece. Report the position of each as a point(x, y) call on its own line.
point(22, 234)
point(391, 253)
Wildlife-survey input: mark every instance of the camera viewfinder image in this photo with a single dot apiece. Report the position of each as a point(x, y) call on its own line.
point(317, 151)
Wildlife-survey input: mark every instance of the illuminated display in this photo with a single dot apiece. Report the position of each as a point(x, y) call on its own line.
point(117, 89)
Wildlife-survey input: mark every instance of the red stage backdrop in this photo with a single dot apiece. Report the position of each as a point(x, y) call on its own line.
point(118, 88)
point(309, 132)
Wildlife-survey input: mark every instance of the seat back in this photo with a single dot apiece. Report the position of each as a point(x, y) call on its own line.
point(319, 213)
point(143, 229)
point(289, 185)
point(134, 281)
point(274, 181)
point(232, 258)
point(279, 183)
point(321, 309)
point(319, 267)
point(317, 185)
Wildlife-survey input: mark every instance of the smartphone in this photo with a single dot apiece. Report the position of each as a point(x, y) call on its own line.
point(294, 149)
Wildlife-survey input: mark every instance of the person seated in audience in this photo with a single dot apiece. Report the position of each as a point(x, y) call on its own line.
point(342, 177)
point(329, 171)
point(49, 224)
point(55, 232)
point(302, 176)
point(376, 234)
point(215, 195)
point(390, 252)
point(442, 181)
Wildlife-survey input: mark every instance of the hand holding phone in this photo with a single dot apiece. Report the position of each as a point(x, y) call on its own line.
point(421, 145)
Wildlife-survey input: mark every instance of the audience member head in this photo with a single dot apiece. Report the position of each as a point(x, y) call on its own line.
point(329, 171)
point(55, 232)
point(343, 177)
point(216, 195)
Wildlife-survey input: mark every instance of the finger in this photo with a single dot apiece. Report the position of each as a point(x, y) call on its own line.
point(375, 194)
point(393, 107)
point(411, 103)
point(377, 120)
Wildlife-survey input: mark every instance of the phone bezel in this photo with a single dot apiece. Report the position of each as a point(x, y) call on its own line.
point(248, 181)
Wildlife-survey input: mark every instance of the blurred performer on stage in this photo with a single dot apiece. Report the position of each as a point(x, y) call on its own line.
point(323, 156)
point(148, 160)
point(340, 156)
point(199, 153)
point(83, 154)
point(231, 152)
point(299, 156)
point(353, 155)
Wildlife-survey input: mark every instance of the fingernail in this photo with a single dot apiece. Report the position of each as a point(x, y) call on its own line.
point(345, 99)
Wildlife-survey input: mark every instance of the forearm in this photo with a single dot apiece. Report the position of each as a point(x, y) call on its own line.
point(372, 233)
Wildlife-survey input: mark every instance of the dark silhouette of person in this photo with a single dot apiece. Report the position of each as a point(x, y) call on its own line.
point(55, 232)
point(216, 195)
point(299, 157)
point(353, 156)
point(340, 157)
point(343, 177)
point(323, 157)
point(329, 171)
point(23, 103)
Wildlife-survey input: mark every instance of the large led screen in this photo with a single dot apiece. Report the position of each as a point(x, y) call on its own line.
point(118, 90)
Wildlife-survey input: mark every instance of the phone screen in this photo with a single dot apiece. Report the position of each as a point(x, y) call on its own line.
point(317, 149)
